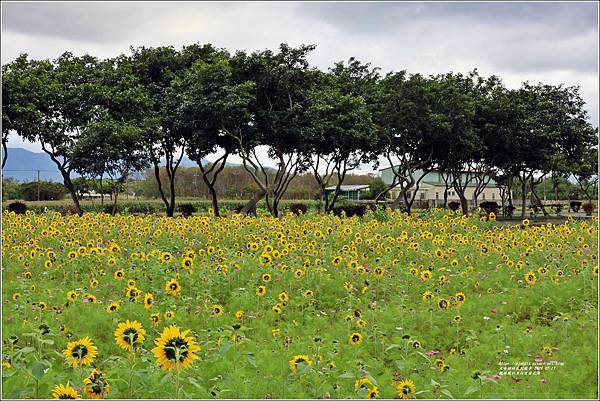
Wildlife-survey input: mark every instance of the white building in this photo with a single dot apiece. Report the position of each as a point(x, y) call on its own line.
point(432, 187)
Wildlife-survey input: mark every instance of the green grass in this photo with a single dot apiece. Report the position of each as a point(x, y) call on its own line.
point(503, 320)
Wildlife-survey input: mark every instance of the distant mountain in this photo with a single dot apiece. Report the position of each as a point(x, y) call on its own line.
point(22, 165)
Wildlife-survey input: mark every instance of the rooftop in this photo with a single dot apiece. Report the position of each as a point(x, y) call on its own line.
point(349, 187)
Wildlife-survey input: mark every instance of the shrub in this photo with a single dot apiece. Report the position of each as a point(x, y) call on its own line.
point(350, 210)
point(489, 207)
point(454, 205)
point(298, 208)
point(589, 208)
point(141, 208)
point(67, 210)
point(575, 205)
point(108, 209)
point(187, 209)
point(17, 207)
point(47, 191)
point(380, 212)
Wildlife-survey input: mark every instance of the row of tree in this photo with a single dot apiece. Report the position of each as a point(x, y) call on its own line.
point(108, 118)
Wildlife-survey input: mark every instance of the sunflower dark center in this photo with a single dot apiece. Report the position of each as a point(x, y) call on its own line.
point(173, 286)
point(65, 397)
point(355, 338)
point(79, 351)
point(130, 335)
point(172, 345)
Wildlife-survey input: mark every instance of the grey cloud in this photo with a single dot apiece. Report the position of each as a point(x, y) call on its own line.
point(95, 22)
point(380, 17)
point(554, 42)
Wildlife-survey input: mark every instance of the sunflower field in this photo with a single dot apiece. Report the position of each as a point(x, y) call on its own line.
point(311, 306)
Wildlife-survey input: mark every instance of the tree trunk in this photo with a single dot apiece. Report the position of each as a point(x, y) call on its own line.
point(4, 153)
point(71, 188)
point(171, 208)
point(250, 207)
point(114, 206)
point(215, 202)
point(523, 197)
point(537, 198)
point(463, 202)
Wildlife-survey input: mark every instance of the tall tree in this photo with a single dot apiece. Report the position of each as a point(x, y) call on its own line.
point(551, 123)
point(209, 110)
point(283, 80)
point(156, 68)
point(402, 111)
point(53, 102)
point(457, 141)
point(341, 131)
point(7, 111)
point(584, 168)
point(111, 143)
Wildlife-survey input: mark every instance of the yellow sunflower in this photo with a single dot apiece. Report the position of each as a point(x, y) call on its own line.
point(530, 278)
point(155, 318)
point(218, 310)
point(72, 296)
point(81, 352)
point(129, 335)
point(297, 360)
point(175, 349)
point(356, 339)
point(113, 307)
point(67, 392)
point(261, 291)
point(172, 287)
point(119, 274)
point(187, 263)
point(406, 389)
point(148, 300)
point(95, 385)
point(133, 294)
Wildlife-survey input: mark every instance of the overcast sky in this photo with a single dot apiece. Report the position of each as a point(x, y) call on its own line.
point(549, 42)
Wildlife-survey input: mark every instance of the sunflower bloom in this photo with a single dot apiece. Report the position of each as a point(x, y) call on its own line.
point(129, 335)
point(67, 392)
point(81, 352)
point(175, 349)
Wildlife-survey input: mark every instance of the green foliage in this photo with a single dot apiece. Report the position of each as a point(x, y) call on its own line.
point(503, 321)
point(47, 191)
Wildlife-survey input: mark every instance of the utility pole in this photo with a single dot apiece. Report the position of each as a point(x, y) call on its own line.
point(544, 189)
point(38, 184)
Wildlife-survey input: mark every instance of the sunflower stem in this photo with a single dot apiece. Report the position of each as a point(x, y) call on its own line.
point(177, 358)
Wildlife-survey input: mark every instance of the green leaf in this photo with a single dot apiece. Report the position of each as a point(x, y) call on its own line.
point(251, 359)
point(25, 350)
point(434, 383)
point(303, 367)
point(471, 389)
point(224, 348)
point(372, 379)
point(393, 346)
point(166, 378)
point(39, 368)
point(447, 393)
point(195, 383)
point(49, 342)
point(399, 364)
point(346, 376)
